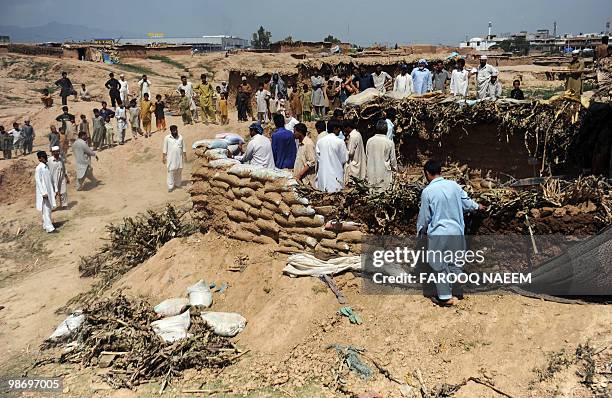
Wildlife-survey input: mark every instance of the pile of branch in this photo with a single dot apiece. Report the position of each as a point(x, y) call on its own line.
point(394, 211)
point(117, 334)
point(131, 243)
point(548, 128)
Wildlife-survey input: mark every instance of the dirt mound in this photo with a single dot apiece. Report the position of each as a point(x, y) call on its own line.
point(16, 181)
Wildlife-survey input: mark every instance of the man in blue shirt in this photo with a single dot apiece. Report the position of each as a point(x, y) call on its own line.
point(284, 147)
point(443, 203)
point(363, 79)
point(421, 78)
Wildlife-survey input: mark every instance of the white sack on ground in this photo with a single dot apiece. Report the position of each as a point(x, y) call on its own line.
point(200, 295)
point(172, 328)
point(171, 307)
point(226, 324)
point(68, 325)
point(304, 264)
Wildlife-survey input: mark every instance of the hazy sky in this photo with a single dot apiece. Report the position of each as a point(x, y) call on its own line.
point(358, 21)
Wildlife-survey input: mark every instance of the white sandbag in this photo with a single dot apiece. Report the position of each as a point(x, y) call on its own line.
point(201, 143)
point(200, 295)
point(226, 324)
point(270, 174)
point(172, 328)
point(243, 170)
point(68, 326)
point(171, 307)
point(231, 138)
point(222, 163)
point(214, 154)
point(363, 97)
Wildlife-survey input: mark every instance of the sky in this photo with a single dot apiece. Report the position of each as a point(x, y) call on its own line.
point(357, 21)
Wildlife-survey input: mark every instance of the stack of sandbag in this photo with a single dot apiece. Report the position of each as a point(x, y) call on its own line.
point(255, 204)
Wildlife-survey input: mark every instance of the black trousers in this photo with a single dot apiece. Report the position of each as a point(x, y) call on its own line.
point(114, 96)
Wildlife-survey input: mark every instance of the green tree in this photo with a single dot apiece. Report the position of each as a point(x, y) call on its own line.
point(261, 38)
point(331, 39)
point(517, 45)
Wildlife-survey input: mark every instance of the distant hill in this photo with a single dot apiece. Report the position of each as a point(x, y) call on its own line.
point(58, 32)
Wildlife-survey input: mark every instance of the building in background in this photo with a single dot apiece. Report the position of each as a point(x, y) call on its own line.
point(197, 44)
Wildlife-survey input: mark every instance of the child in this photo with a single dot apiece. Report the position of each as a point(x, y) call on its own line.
point(306, 103)
point(517, 93)
point(160, 117)
point(71, 132)
point(184, 106)
point(296, 103)
point(223, 108)
point(46, 98)
point(84, 94)
point(121, 115)
point(54, 137)
point(84, 125)
point(216, 99)
point(110, 132)
point(98, 130)
point(145, 114)
point(134, 112)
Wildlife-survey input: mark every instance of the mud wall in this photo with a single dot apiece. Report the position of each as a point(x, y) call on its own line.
point(259, 205)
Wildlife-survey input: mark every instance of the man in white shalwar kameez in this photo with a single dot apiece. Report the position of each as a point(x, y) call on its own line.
point(403, 83)
point(259, 149)
point(460, 78)
point(483, 77)
point(45, 193)
point(381, 160)
point(145, 88)
point(174, 154)
point(57, 168)
point(332, 155)
point(356, 165)
point(124, 89)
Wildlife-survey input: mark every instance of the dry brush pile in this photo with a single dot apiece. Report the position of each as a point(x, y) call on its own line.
point(548, 128)
point(117, 336)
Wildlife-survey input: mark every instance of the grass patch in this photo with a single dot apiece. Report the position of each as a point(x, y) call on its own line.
point(168, 61)
point(141, 70)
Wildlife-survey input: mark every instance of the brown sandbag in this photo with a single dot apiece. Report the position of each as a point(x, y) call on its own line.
point(266, 225)
point(202, 173)
point(356, 248)
point(277, 187)
point(219, 184)
point(252, 200)
point(240, 192)
point(350, 237)
point(270, 206)
point(199, 188)
point(203, 199)
point(342, 226)
point(302, 211)
point(287, 249)
point(272, 197)
point(241, 206)
point(242, 235)
point(281, 220)
point(292, 198)
point(284, 209)
point(264, 240)
point(238, 216)
point(334, 245)
point(304, 240)
point(325, 251)
point(315, 232)
point(316, 221)
point(229, 179)
point(324, 210)
point(254, 213)
point(249, 183)
point(250, 227)
point(266, 214)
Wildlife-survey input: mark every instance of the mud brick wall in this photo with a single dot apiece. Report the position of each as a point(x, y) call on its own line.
point(253, 204)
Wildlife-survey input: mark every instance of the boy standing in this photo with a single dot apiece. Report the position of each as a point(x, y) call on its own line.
point(306, 103)
point(185, 107)
point(160, 118)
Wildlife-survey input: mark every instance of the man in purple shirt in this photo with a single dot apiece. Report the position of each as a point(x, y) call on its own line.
point(284, 147)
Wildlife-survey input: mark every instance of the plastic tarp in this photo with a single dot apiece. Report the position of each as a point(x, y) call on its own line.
point(303, 264)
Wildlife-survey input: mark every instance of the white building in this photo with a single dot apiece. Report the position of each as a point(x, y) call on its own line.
point(204, 43)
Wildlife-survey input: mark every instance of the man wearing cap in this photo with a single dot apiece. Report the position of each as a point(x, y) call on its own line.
point(259, 149)
point(82, 160)
point(112, 85)
point(573, 82)
point(28, 135)
point(494, 89)
point(421, 78)
point(205, 92)
point(45, 193)
point(483, 77)
point(59, 177)
point(403, 82)
point(174, 155)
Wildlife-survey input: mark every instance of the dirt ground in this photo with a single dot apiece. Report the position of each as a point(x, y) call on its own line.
point(504, 339)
